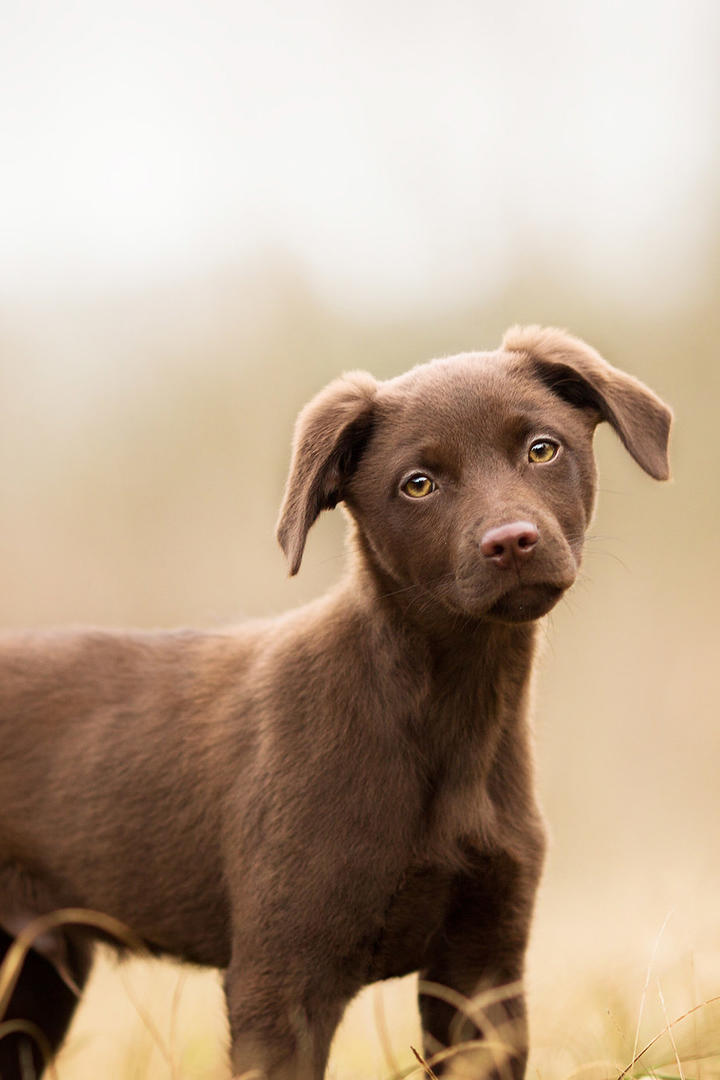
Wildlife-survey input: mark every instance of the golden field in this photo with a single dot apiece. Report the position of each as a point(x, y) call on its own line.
point(147, 496)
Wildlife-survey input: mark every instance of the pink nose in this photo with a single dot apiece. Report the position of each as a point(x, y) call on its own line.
point(506, 545)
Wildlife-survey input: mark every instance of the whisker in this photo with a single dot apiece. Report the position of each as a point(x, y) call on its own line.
point(423, 587)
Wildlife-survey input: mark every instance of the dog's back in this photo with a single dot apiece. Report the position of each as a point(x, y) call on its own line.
point(113, 743)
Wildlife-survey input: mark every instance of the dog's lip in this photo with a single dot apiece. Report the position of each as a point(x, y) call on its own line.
point(518, 601)
point(506, 583)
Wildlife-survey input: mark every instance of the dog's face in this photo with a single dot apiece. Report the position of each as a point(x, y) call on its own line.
point(476, 486)
point(471, 479)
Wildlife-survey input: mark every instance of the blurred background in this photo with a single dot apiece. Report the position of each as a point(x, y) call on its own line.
point(208, 211)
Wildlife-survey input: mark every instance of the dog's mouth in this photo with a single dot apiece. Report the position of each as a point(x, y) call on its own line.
point(525, 603)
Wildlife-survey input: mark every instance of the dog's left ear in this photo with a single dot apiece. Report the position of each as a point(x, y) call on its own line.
point(577, 373)
point(329, 436)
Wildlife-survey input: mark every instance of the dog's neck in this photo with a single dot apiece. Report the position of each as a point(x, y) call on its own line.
point(452, 637)
point(460, 695)
point(463, 659)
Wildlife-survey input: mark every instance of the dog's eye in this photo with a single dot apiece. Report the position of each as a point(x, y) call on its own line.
point(542, 450)
point(418, 486)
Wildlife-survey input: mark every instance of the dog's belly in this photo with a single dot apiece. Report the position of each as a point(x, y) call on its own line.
point(191, 924)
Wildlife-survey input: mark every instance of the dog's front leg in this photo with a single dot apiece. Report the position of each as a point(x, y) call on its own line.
point(471, 990)
point(277, 1034)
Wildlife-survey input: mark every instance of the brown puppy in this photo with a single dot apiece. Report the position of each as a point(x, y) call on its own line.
point(343, 794)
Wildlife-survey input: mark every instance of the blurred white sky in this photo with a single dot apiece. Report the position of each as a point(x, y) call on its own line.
point(399, 150)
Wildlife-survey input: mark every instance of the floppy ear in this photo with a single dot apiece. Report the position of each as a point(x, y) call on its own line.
point(577, 373)
point(329, 436)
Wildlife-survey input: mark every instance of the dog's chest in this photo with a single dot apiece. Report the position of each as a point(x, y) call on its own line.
point(413, 916)
point(462, 810)
point(462, 825)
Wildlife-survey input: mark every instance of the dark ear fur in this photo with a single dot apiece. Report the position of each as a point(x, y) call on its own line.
point(329, 436)
point(579, 374)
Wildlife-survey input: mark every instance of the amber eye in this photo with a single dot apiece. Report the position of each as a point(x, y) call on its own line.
point(542, 451)
point(418, 486)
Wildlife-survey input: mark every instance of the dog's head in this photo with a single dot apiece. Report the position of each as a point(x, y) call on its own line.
point(471, 479)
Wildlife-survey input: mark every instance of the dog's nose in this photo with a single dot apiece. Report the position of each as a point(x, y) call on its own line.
point(507, 544)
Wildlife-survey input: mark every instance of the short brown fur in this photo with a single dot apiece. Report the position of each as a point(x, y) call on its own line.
point(345, 793)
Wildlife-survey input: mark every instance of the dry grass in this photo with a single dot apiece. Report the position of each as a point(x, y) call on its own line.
point(144, 1019)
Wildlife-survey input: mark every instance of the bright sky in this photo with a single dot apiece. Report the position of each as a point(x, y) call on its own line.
point(398, 149)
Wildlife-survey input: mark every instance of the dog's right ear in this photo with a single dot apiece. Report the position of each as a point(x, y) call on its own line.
point(330, 434)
